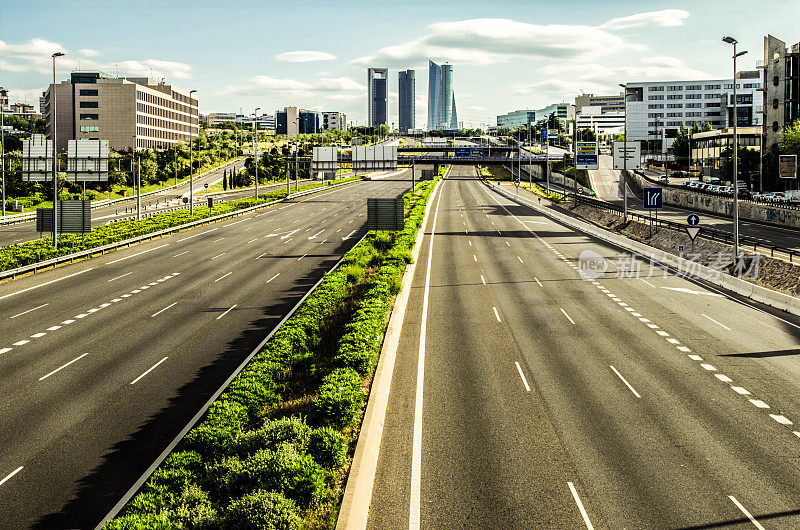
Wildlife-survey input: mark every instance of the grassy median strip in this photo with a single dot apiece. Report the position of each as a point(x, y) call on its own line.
point(274, 450)
point(29, 252)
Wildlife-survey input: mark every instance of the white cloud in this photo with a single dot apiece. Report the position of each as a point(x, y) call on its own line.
point(305, 56)
point(663, 18)
point(333, 88)
point(154, 68)
point(88, 52)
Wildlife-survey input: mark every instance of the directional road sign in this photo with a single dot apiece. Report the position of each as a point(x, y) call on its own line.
point(653, 198)
point(586, 155)
point(693, 219)
point(627, 155)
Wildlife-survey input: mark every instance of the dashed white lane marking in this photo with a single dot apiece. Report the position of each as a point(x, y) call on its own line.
point(29, 310)
point(217, 240)
point(218, 255)
point(4, 350)
point(474, 257)
point(635, 393)
point(483, 281)
point(226, 312)
point(568, 317)
point(524, 381)
point(507, 243)
point(745, 512)
point(70, 321)
point(581, 509)
point(149, 370)
point(162, 310)
point(273, 277)
point(301, 257)
point(520, 259)
point(63, 366)
point(496, 314)
point(709, 367)
point(53, 328)
point(758, 403)
point(223, 276)
point(3, 481)
point(695, 357)
point(715, 322)
point(783, 420)
point(200, 234)
point(724, 378)
point(740, 390)
point(123, 275)
point(470, 242)
point(256, 239)
point(38, 335)
point(43, 284)
point(537, 281)
point(137, 254)
point(21, 342)
point(648, 283)
point(181, 254)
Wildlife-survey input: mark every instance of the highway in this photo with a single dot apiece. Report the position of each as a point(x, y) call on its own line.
point(532, 390)
point(103, 362)
point(168, 198)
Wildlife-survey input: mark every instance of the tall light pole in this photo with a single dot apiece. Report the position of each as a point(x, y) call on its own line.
point(625, 158)
point(730, 40)
point(255, 145)
point(55, 156)
point(3, 94)
point(191, 161)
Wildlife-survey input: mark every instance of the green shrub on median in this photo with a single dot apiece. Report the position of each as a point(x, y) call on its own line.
point(271, 451)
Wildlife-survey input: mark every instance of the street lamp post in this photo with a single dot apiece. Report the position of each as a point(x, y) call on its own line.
point(191, 158)
point(255, 145)
point(3, 146)
point(730, 40)
point(625, 158)
point(55, 156)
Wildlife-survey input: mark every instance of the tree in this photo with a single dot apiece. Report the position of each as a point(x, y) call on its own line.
point(790, 139)
point(225, 180)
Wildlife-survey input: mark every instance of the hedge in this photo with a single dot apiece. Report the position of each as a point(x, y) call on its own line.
point(272, 450)
point(21, 254)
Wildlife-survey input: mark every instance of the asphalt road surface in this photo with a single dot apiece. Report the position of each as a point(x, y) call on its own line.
point(565, 384)
point(103, 362)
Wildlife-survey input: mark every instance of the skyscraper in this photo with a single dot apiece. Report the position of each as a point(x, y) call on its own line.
point(441, 97)
point(377, 98)
point(406, 92)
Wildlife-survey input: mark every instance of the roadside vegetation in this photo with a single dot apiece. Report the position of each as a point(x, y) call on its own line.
point(273, 451)
point(29, 252)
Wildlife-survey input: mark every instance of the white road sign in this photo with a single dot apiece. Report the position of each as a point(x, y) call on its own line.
point(633, 154)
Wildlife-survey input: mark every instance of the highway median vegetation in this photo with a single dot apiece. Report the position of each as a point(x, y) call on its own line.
point(273, 451)
point(38, 250)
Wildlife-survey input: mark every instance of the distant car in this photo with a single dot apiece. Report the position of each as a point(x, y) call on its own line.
point(713, 180)
point(664, 179)
point(679, 174)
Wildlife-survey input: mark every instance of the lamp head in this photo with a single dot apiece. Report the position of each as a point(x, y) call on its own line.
point(729, 40)
point(740, 53)
point(58, 54)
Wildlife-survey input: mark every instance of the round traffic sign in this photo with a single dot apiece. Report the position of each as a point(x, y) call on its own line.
point(693, 219)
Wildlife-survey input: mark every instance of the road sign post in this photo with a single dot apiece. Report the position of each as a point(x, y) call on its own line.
point(653, 200)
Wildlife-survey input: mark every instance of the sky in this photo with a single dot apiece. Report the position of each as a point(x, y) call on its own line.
point(506, 55)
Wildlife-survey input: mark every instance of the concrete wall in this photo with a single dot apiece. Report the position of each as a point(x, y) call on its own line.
point(724, 206)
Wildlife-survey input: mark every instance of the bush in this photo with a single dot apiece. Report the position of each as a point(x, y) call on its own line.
point(292, 430)
point(327, 447)
point(262, 510)
point(223, 423)
point(151, 521)
point(340, 397)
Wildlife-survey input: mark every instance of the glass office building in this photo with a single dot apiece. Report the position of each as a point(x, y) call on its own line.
point(441, 97)
point(406, 91)
point(377, 98)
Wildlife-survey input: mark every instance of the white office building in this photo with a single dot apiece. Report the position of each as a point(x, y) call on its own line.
point(657, 110)
point(334, 121)
point(602, 123)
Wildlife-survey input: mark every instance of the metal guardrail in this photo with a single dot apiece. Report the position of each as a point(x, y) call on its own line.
point(705, 233)
point(34, 267)
point(25, 217)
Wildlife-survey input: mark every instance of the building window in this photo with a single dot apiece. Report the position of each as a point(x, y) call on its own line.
point(712, 114)
point(694, 87)
point(712, 104)
point(694, 105)
point(674, 88)
point(713, 87)
point(655, 114)
point(674, 96)
point(655, 106)
point(89, 116)
point(674, 114)
point(694, 96)
point(659, 97)
point(88, 105)
point(673, 124)
point(88, 92)
point(752, 85)
point(745, 99)
point(674, 105)
point(90, 128)
point(693, 114)
point(655, 89)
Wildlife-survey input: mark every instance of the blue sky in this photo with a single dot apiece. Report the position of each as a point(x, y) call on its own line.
point(507, 55)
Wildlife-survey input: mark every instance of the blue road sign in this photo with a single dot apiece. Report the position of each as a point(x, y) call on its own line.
point(693, 219)
point(544, 134)
point(653, 198)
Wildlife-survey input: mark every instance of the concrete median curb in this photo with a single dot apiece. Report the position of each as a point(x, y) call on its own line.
point(354, 511)
point(691, 269)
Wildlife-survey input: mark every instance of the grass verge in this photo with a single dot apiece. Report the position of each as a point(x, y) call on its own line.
point(274, 450)
point(29, 252)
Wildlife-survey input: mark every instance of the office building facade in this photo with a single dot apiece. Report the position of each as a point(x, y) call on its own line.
point(516, 119)
point(602, 123)
point(606, 103)
point(334, 121)
point(565, 112)
point(294, 120)
point(781, 88)
point(129, 112)
point(657, 110)
point(442, 112)
point(406, 113)
point(377, 96)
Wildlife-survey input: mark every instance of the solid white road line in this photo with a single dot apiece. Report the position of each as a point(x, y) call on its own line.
point(223, 276)
point(45, 283)
point(63, 366)
point(149, 370)
point(416, 444)
point(566, 315)
point(524, 382)
point(122, 276)
point(635, 393)
point(745, 512)
point(715, 322)
point(11, 475)
point(497, 316)
point(28, 311)
point(137, 254)
point(581, 509)
point(226, 312)
point(159, 312)
point(273, 277)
